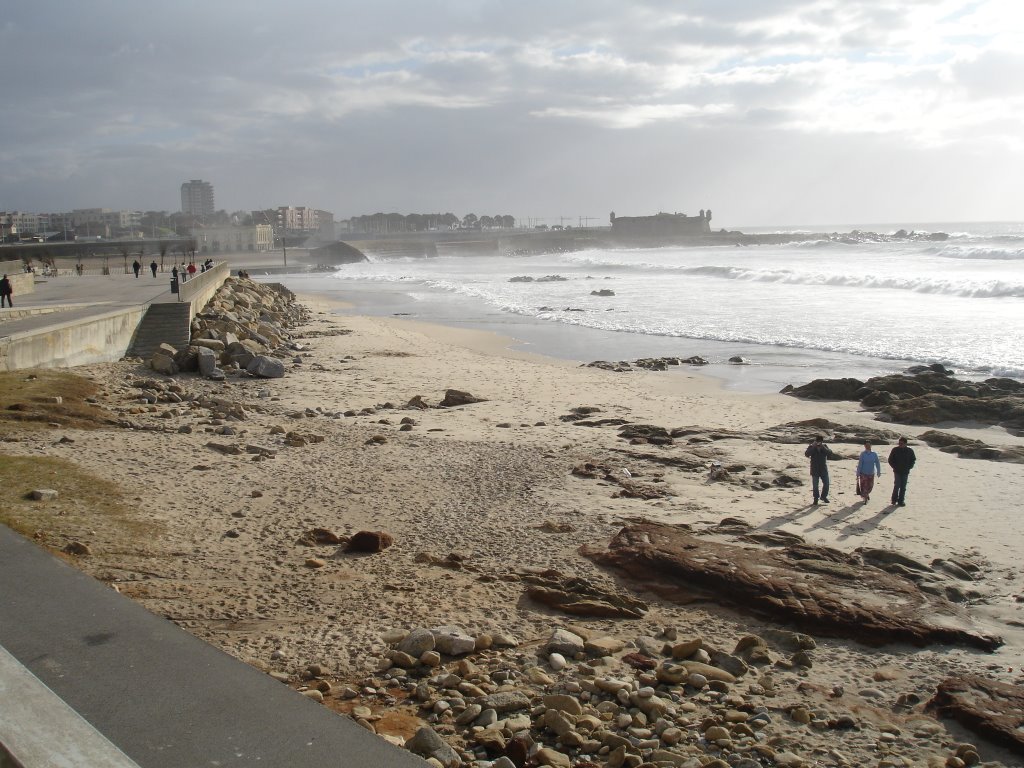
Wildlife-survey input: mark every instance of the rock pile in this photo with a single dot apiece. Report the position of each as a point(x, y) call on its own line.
point(578, 697)
point(245, 327)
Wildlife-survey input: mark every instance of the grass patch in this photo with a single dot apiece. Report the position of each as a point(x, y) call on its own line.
point(27, 397)
point(84, 502)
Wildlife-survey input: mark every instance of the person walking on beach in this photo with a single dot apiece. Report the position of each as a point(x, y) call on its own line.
point(902, 460)
point(867, 467)
point(819, 454)
point(136, 268)
point(152, 267)
point(6, 291)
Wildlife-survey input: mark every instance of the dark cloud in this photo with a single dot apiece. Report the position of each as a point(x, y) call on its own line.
point(530, 107)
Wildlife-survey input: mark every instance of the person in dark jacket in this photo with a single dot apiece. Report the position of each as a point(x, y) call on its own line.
point(136, 268)
point(6, 291)
point(902, 460)
point(152, 267)
point(819, 454)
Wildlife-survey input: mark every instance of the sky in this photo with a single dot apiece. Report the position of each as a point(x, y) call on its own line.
point(767, 112)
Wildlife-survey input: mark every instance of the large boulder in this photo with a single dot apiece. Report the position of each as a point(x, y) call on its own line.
point(163, 361)
point(266, 367)
point(207, 361)
point(455, 397)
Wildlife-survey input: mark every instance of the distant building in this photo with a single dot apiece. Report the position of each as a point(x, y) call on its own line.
point(104, 221)
point(258, 237)
point(662, 224)
point(197, 198)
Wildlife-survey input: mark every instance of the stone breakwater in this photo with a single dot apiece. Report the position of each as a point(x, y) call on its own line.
point(244, 327)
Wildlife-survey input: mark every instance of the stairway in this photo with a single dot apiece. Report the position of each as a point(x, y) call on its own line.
point(163, 323)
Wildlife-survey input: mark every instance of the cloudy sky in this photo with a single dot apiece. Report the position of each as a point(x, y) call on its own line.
point(769, 112)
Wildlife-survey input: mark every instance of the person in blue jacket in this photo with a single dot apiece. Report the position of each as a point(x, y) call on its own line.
point(868, 466)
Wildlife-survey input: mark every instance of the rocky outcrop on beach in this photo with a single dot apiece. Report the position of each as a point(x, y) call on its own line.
point(927, 395)
point(818, 589)
point(646, 363)
point(991, 709)
point(966, 448)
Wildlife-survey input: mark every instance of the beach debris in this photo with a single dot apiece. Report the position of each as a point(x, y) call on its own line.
point(43, 494)
point(819, 589)
point(992, 709)
point(370, 541)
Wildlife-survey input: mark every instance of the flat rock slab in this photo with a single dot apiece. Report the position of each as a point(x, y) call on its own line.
point(821, 590)
point(991, 709)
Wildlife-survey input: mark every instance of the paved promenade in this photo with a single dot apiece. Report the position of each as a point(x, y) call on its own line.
point(67, 298)
point(161, 697)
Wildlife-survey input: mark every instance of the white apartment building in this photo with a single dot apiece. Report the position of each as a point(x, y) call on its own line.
point(258, 237)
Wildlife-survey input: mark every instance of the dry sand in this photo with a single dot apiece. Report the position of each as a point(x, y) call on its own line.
point(222, 560)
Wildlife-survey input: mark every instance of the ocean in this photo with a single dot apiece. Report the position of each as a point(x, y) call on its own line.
point(855, 303)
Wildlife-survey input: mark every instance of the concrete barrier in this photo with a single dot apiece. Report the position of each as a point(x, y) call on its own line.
point(100, 338)
point(200, 288)
point(22, 282)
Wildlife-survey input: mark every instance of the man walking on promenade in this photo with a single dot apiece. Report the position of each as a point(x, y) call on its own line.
point(5, 292)
point(152, 267)
point(902, 460)
point(136, 268)
point(819, 454)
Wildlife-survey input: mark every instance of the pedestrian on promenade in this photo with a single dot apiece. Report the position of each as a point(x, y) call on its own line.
point(6, 291)
point(136, 268)
point(191, 268)
point(152, 266)
point(182, 272)
point(820, 454)
point(867, 467)
point(902, 460)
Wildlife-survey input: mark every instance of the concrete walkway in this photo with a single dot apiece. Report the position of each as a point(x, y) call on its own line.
point(62, 299)
point(160, 696)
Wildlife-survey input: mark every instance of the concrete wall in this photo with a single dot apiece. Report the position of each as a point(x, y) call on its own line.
point(198, 290)
point(98, 339)
point(21, 281)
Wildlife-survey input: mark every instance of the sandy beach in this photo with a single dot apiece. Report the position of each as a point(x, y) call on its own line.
point(475, 496)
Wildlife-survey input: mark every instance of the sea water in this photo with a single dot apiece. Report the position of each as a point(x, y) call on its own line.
point(855, 304)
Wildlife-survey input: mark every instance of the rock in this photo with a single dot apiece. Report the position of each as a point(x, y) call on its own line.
point(603, 292)
point(426, 742)
point(266, 367)
point(417, 642)
point(455, 397)
point(44, 494)
point(563, 703)
point(453, 641)
point(828, 389)
point(990, 708)
point(164, 363)
point(505, 701)
point(565, 642)
point(77, 548)
point(370, 541)
point(603, 646)
point(207, 361)
point(551, 757)
point(821, 589)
